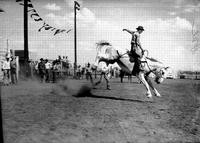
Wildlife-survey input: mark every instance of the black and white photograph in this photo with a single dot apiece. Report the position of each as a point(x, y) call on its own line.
point(100, 71)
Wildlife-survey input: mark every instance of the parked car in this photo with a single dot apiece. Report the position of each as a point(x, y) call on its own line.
point(170, 76)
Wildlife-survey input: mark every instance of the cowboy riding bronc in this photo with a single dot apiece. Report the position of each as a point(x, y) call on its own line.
point(136, 52)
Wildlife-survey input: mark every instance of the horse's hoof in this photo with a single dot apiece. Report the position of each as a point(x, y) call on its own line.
point(158, 95)
point(149, 95)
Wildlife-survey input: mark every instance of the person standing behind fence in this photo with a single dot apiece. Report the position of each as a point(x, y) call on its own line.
point(48, 70)
point(89, 73)
point(42, 69)
point(6, 70)
point(121, 75)
point(78, 72)
point(56, 70)
point(13, 70)
point(32, 66)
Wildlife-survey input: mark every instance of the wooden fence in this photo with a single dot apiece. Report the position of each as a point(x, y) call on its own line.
point(189, 75)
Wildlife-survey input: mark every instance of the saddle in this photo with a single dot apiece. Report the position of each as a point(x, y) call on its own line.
point(131, 57)
point(134, 57)
point(139, 62)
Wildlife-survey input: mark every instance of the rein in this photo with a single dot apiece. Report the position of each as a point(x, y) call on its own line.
point(151, 71)
point(121, 54)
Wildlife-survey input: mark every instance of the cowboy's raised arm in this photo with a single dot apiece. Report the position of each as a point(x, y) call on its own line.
point(129, 31)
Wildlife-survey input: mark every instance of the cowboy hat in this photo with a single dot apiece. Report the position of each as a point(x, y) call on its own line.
point(140, 28)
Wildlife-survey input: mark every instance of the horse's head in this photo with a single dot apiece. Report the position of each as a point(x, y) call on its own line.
point(161, 74)
point(106, 52)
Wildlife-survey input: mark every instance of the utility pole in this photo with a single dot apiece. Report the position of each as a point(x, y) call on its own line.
point(7, 46)
point(26, 52)
point(1, 119)
point(76, 7)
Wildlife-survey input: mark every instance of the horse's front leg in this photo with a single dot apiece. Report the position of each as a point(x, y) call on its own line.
point(142, 79)
point(152, 87)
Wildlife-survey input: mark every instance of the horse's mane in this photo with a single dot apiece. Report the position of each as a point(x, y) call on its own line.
point(104, 47)
point(103, 43)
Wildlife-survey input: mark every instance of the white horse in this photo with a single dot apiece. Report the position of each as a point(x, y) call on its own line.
point(106, 53)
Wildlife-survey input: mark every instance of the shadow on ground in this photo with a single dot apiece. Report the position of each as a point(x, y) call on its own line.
point(91, 95)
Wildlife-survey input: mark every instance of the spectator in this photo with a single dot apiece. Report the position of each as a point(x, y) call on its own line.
point(59, 58)
point(89, 73)
point(42, 69)
point(78, 72)
point(129, 77)
point(48, 70)
point(56, 70)
point(13, 69)
point(121, 75)
point(111, 72)
point(82, 72)
point(6, 70)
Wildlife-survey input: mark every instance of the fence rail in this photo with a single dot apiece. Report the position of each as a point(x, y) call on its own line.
point(189, 75)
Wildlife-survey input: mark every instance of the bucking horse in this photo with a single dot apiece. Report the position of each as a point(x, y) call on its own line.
point(107, 54)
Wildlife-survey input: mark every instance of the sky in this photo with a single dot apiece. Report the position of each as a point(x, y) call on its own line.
point(167, 23)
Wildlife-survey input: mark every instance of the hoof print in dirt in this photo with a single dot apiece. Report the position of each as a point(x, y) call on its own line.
point(149, 100)
point(194, 131)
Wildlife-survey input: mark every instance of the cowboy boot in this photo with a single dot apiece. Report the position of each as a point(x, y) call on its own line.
point(135, 68)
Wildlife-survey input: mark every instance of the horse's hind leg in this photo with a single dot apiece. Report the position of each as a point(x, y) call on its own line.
point(91, 79)
point(107, 81)
point(152, 87)
point(98, 82)
point(142, 79)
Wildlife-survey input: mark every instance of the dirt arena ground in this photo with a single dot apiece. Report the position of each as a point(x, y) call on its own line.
point(53, 113)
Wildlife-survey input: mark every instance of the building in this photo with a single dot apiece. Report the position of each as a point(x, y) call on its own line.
point(20, 54)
